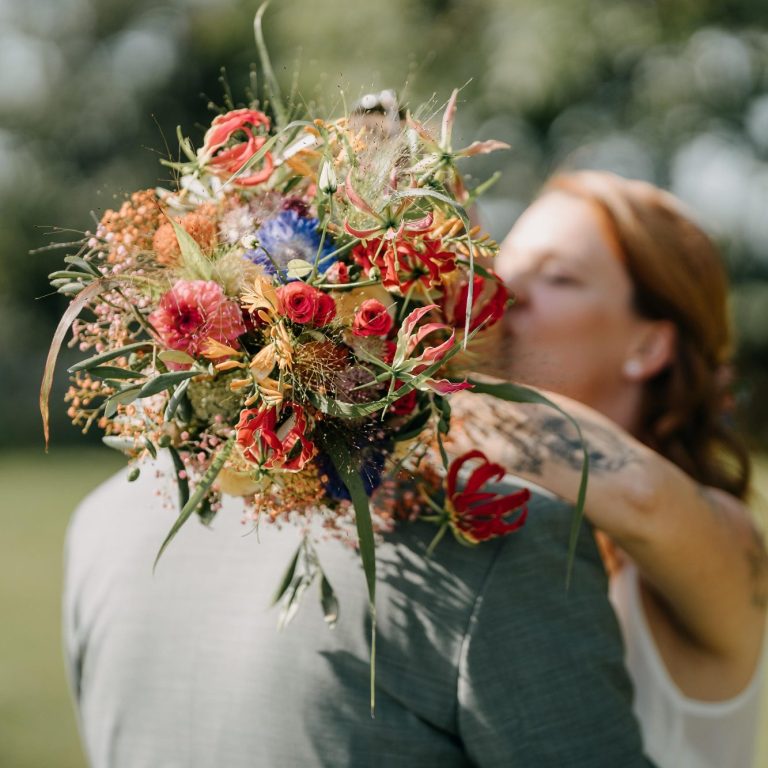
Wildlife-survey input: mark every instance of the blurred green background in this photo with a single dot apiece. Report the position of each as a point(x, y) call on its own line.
point(674, 91)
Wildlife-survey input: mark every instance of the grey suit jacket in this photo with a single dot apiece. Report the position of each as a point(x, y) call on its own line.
point(484, 659)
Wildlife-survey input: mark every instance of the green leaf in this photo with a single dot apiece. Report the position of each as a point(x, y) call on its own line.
point(175, 400)
point(124, 397)
point(328, 601)
point(298, 268)
point(91, 362)
point(84, 265)
point(192, 258)
point(201, 491)
point(150, 446)
point(413, 427)
point(113, 372)
point(271, 85)
point(518, 394)
point(176, 356)
point(119, 443)
point(69, 274)
point(349, 472)
point(181, 482)
point(285, 582)
point(134, 474)
point(165, 381)
point(206, 512)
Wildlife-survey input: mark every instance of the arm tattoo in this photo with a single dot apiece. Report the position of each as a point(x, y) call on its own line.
point(549, 437)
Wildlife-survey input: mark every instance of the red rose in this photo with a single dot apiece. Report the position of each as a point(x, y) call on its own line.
point(489, 299)
point(337, 273)
point(305, 304)
point(257, 435)
point(477, 515)
point(372, 319)
point(230, 143)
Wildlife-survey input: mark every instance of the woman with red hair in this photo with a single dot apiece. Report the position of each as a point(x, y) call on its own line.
point(620, 313)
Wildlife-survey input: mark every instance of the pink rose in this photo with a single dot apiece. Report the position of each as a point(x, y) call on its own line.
point(194, 311)
point(305, 304)
point(372, 319)
point(230, 143)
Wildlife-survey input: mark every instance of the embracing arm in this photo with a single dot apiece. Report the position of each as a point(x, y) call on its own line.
point(695, 546)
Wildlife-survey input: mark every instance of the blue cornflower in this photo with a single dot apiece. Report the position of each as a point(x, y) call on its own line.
point(286, 236)
point(372, 466)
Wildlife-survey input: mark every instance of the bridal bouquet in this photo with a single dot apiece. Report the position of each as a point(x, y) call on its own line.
point(288, 322)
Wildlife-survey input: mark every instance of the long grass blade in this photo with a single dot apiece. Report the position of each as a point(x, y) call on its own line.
point(75, 307)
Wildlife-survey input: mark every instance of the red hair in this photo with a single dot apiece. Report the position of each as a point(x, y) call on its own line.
point(677, 275)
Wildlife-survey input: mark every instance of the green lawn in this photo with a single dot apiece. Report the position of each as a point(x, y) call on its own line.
point(37, 494)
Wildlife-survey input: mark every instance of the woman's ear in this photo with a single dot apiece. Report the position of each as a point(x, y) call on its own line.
point(652, 350)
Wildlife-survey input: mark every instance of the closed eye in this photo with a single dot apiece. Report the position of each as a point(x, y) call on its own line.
point(560, 278)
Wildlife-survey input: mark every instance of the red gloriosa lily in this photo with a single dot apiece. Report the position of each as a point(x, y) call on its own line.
point(226, 155)
point(272, 445)
point(476, 515)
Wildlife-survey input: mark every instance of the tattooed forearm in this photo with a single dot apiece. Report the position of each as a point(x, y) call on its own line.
point(529, 443)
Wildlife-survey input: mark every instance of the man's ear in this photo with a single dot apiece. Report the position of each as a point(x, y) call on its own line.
point(652, 350)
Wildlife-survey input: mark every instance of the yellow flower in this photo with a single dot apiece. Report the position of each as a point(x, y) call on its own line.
point(261, 298)
point(213, 349)
point(283, 345)
point(271, 393)
point(263, 363)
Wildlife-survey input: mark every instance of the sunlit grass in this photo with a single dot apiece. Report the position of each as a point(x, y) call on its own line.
point(37, 495)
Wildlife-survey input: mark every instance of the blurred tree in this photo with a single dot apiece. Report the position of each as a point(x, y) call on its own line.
point(675, 91)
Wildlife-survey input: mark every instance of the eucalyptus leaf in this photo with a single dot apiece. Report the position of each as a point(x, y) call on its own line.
point(201, 491)
point(298, 268)
point(285, 582)
point(181, 482)
point(175, 400)
point(69, 274)
point(70, 289)
point(165, 381)
point(328, 601)
point(124, 397)
point(119, 443)
point(176, 356)
point(150, 446)
point(84, 265)
point(113, 372)
point(91, 362)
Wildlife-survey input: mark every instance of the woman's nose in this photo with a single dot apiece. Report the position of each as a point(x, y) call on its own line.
point(517, 285)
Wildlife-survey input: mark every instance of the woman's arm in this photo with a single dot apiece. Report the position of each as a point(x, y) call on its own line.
point(695, 546)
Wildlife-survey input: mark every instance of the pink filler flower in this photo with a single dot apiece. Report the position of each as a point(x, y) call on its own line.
point(193, 311)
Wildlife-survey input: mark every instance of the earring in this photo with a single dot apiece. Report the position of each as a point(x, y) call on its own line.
point(633, 368)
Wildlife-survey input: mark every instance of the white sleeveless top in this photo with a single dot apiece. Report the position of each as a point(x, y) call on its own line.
point(680, 732)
